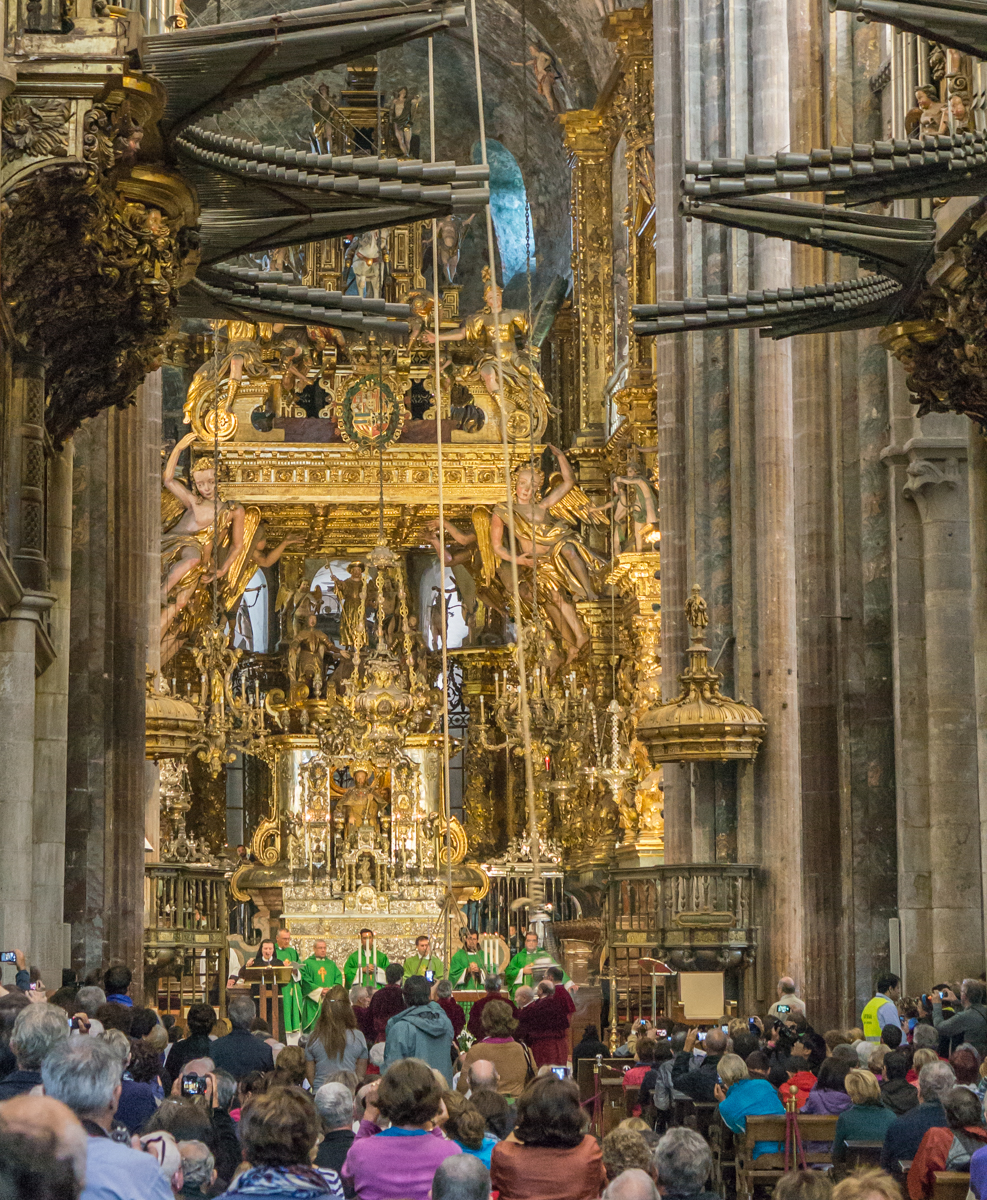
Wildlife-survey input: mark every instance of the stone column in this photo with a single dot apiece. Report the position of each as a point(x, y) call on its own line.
point(127, 625)
point(48, 943)
point(106, 772)
point(778, 775)
point(978, 563)
point(671, 400)
point(22, 636)
point(937, 484)
point(17, 665)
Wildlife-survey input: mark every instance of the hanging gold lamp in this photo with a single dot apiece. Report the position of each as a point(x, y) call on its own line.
point(701, 725)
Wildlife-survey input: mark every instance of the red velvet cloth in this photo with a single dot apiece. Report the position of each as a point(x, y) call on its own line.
point(475, 1023)
point(544, 1026)
point(365, 1024)
point(383, 1005)
point(454, 1011)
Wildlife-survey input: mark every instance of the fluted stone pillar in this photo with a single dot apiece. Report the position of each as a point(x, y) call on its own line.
point(778, 769)
point(670, 385)
point(17, 658)
point(48, 942)
point(978, 563)
point(107, 779)
point(936, 483)
point(22, 634)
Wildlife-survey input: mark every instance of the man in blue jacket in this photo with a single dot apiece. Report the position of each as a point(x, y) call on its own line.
point(422, 1030)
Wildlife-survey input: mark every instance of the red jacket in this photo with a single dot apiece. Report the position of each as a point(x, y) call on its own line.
point(805, 1081)
point(932, 1156)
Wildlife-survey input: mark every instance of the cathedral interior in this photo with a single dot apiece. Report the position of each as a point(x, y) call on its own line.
point(514, 462)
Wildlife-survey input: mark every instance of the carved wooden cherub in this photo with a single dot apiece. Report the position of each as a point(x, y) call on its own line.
point(306, 656)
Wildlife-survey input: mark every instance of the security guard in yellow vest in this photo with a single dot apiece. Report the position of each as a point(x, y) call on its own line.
point(883, 1009)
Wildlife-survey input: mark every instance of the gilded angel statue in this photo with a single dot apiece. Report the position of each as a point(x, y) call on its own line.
point(210, 539)
point(496, 331)
point(547, 542)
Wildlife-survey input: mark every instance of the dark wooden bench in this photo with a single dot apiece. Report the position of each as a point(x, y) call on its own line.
point(863, 1154)
point(721, 1143)
point(767, 1169)
point(951, 1185)
point(694, 1114)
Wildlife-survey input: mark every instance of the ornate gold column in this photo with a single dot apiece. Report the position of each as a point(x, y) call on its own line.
point(587, 138)
point(631, 112)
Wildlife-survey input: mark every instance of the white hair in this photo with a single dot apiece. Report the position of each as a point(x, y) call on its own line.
point(334, 1102)
point(198, 1163)
point(682, 1160)
point(632, 1184)
point(37, 1029)
point(83, 1073)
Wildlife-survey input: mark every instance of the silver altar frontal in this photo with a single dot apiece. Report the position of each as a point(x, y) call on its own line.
point(352, 843)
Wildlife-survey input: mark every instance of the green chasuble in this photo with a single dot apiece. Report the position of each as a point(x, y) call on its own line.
point(317, 975)
point(291, 994)
point(358, 964)
point(418, 966)
point(514, 975)
point(459, 973)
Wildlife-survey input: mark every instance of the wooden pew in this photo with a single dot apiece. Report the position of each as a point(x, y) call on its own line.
point(951, 1185)
point(767, 1169)
point(611, 1086)
point(860, 1154)
point(722, 1145)
point(694, 1114)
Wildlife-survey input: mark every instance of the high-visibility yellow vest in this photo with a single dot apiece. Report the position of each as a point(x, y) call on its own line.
point(868, 1018)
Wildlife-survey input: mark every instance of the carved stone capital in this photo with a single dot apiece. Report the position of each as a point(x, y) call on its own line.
point(925, 473)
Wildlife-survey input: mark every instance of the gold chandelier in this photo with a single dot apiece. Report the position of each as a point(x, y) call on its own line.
point(387, 697)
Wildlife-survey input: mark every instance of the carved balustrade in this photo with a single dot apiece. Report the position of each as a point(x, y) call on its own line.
point(185, 934)
point(699, 917)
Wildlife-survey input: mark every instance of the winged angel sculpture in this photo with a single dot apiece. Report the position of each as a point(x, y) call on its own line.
point(547, 545)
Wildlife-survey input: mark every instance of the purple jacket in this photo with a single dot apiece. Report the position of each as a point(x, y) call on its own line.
point(825, 1103)
point(394, 1164)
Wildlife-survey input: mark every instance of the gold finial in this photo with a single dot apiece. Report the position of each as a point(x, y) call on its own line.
point(695, 610)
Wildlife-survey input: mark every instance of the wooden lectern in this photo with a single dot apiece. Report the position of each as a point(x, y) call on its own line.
point(269, 980)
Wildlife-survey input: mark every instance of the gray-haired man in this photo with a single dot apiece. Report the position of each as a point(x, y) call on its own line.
point(84, 1073)
point(198, 1168)
point(334, 1102)
point(905, 1136)
point(682, 1164)
point(240, 1052)
point(37, 1029)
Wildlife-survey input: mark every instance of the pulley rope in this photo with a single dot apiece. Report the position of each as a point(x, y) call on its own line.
point(443, 614)
point(537, 893)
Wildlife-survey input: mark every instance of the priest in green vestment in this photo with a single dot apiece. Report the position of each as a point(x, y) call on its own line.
point(423, 960)
point(469, 966)
point(319, 974)
point(520, 970)
point(291, 993)
point(366, 965)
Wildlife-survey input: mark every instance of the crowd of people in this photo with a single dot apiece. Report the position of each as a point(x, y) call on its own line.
point(106, 1100)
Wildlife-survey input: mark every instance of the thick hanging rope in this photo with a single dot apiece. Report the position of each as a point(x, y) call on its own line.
point(529, 773)
point(444, 626)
